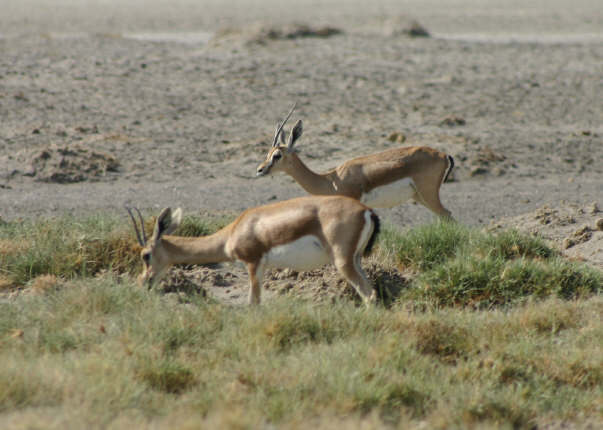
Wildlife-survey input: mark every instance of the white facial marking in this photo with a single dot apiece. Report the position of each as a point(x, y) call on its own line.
point(389, 195)
point(305, 253)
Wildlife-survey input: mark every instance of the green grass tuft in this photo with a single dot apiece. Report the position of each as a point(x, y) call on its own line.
point(167, 376)
point(194, 226)
point(460, 266)
point(425, 247)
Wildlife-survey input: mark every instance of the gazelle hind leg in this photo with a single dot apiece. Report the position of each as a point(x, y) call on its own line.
point(427, 192)
point(256, 274)
point(368, 284)
point(352, 272)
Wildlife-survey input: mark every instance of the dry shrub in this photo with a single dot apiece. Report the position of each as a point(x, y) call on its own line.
point(117, 252)
point(6, 283)
point(45, 283)
point(496, 412)
point(11, 247)
point(511, 374)
point(286, 331)
point(577, 373)
point(550, 319)
point(447, 342)
point(167, 376)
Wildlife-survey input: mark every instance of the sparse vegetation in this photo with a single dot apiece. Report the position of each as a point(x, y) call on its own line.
point(507, 336)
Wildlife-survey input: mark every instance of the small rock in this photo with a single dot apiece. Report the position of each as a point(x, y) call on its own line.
point(478, 170)
point(397, 137)
point(417, 30)
point(599, 224)
point(404, 26)
point(594, 208)
point(17, 334)
point(453, 121)
point(21, 97)
point(567, 243)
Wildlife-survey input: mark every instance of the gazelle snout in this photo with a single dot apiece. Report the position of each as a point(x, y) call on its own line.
point(147, 279)
point(263, 169)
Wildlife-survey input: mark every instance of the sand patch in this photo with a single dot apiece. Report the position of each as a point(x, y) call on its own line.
point(572, 228)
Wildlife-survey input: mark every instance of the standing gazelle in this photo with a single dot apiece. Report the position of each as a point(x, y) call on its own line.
point(380, 180)
point(301, 234)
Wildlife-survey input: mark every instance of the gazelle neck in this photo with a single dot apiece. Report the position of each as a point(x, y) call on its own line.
point(312, 182)
point(197, 250)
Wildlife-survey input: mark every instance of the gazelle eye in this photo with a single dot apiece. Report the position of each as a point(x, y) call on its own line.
point(277, 156)
point(146, 258)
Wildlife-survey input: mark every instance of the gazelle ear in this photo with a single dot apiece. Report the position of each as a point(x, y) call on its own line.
point(283, 138)
point(166, 223)
point(295, 134)
point(176, 220)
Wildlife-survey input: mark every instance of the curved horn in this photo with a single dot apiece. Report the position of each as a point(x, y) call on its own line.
point(140, 239)
point(279, 127)
point(144, 235)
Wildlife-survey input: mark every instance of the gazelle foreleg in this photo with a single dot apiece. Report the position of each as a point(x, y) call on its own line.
point(256, 274)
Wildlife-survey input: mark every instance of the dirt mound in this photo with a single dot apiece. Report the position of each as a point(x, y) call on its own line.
point(403, 26)
point(229, 283)
point(262, 33)
point(575, 229)
point(61, 164)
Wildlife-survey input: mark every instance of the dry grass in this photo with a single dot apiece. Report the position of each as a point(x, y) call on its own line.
point(101, 352)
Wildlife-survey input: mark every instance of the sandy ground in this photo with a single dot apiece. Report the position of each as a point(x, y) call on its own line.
point(173, 103)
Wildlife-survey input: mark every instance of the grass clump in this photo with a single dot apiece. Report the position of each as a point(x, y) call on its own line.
point(194, 226)
point(167, 376)
point(445, 341)
point(460, 266)
point(68, 247)
point(424, 247)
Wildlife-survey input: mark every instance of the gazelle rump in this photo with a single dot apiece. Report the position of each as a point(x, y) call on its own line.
point(301, 234)
point(383, 179)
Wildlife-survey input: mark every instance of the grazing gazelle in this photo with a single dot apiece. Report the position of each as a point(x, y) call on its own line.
point(301, 234)
point(380, 180)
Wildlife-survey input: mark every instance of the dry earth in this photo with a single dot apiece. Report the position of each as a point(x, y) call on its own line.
point(157, 103)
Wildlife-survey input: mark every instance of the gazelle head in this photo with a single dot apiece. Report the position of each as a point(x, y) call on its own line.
point(155, 258)
point(280, 155)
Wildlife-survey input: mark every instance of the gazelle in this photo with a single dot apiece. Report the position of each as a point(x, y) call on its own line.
point(380, 180)
point(301, 234)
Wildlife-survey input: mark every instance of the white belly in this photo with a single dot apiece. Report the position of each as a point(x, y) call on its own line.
point(306, 253)
point(389, 195)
